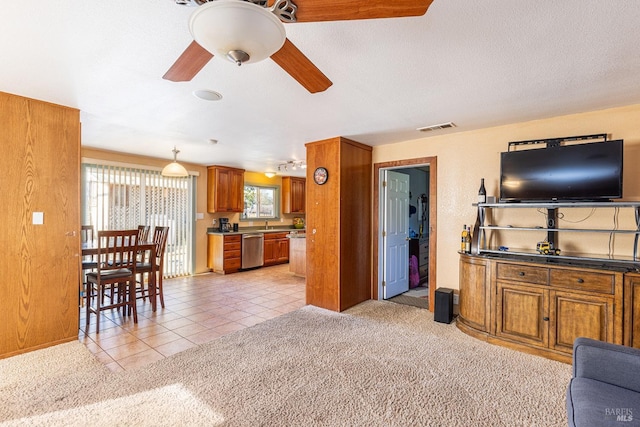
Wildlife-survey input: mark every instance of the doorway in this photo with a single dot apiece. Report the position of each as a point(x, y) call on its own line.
point(422, 212)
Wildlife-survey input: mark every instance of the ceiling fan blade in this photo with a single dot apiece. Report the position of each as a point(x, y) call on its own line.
point(301, 68)
point(192, 60)
point(344, 10)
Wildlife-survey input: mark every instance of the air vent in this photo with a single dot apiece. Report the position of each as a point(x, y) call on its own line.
point(437, 127)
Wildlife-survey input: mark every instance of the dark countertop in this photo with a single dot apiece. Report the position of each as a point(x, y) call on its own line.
point(284, 229)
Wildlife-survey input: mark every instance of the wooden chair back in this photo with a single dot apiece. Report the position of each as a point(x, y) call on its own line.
point(117, 249)
point(160, 235)
point(143, 232)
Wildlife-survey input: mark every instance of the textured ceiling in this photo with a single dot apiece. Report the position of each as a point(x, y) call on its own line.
point(477, 64)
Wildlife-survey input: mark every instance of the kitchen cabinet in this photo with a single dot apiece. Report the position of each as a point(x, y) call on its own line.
point(538, 308)
point(276, 248)
point(39, 263)
point(293, 194)
point(338, 223)
point(225, 189)
point(224, 253)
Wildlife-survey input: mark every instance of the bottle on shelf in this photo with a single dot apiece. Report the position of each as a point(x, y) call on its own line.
point(463, 238)
point(467, 241)
point(482, 193)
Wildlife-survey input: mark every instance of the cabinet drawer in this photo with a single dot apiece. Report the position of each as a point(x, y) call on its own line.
point(424, 247)
point(231, 254)
point(584, 281)
point(275, 236)
point(424, 259)
point(232, 263)
point(232, 239)
point(232, 246)
point(523, 273)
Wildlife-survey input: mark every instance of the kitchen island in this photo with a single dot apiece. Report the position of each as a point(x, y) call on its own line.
point(297, 254)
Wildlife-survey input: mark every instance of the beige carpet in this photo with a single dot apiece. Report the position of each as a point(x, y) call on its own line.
point(378, 364)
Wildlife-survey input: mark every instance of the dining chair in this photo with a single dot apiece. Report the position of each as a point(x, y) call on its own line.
point(116, 266)
point(143, 232)
point(154, 269)
point(88, 263)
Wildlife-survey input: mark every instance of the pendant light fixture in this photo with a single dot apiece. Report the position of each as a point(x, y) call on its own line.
point(175, 169)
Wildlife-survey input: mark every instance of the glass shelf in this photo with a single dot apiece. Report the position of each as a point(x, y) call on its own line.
point(575, 230)
point(480, 230)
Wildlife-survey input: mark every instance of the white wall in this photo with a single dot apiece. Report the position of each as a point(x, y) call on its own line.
point(466, 157)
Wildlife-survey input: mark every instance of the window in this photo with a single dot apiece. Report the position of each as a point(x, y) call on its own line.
point(260, 202)
point(119, 197)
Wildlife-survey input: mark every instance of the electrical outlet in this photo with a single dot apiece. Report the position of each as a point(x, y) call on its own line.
point(455, 299)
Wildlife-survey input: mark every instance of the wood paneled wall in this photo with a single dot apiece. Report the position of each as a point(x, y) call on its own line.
point(38, 263)
point(339, 224)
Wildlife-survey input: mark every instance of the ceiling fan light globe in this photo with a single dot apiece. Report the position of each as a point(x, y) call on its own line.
point(223, 26)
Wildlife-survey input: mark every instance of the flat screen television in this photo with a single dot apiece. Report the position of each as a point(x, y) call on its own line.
point(570, 173)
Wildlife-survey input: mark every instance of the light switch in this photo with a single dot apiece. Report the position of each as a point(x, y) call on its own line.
point(199, 215)
point(38, 218)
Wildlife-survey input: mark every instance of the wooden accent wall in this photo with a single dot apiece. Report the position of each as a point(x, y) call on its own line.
point(339, 224)
point(39, 264)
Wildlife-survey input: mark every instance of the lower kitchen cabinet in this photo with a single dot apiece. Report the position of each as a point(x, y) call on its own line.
point(276, 248)
point(224, 253)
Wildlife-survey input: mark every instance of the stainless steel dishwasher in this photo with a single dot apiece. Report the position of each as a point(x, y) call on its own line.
point(252, 250)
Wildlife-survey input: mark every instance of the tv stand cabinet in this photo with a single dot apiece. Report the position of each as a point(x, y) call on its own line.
point(538, 308)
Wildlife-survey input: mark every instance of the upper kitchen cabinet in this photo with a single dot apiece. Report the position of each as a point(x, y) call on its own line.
point(225, 189)
point(293, 194)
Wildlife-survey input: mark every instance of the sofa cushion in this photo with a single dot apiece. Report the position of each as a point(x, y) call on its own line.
point(593, 403)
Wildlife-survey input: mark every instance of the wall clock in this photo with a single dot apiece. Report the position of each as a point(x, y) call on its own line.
point(320, 175)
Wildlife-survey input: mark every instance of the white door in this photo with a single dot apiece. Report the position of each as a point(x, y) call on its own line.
point(395, 234)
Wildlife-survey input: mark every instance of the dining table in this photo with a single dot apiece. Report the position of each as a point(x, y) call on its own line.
point(90, 248)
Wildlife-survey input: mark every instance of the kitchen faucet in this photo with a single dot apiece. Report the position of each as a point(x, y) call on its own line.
point(266, 224)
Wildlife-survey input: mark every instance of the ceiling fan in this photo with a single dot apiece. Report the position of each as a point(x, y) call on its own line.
point(246, 31)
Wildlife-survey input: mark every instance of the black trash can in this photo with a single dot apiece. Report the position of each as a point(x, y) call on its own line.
point(443, 305)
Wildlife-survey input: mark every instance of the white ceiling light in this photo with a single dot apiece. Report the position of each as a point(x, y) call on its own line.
point(207, 95)
point(175, 169)
point(240, 31)
point(270, 174)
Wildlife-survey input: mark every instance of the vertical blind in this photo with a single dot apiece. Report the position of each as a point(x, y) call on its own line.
point(117, 197)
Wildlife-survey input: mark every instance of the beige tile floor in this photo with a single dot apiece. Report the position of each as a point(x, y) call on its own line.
point(198, 309)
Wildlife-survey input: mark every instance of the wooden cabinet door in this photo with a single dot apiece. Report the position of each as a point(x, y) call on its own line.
point(225, 189)
point(283, 250)
point(522, 313)
point(223, 185)
point(293, 194)
point(632, 310)
point(298, 195)
point(474, 293)
point(235, 194)
point(575, 315)
point(270, 252)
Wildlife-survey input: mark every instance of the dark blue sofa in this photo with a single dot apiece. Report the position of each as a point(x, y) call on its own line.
point(605, 387)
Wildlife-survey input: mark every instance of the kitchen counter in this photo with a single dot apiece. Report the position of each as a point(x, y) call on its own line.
point(214, 230)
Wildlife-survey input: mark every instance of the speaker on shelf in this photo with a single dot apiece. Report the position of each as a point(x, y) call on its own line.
point(443, 305)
